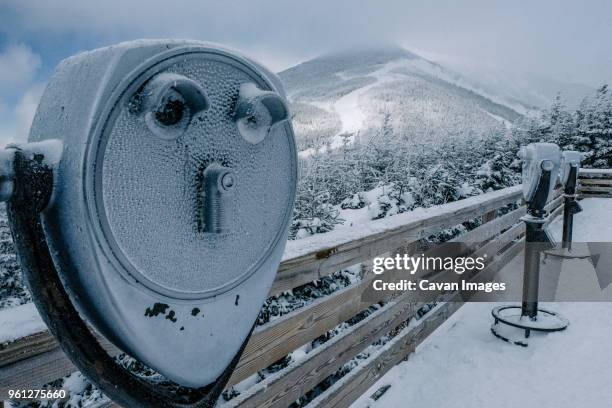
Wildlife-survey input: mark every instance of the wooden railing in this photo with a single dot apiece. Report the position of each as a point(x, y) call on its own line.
point(35, 359)
point(595, 183)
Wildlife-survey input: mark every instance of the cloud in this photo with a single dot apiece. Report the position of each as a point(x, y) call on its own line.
point(25, 109)
point(561, 39)
point(19, 93)
point(556, 37)
point(18, 67)
point(15, 123)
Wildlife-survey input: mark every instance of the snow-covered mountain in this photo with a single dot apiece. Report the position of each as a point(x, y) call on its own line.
point(338, 97)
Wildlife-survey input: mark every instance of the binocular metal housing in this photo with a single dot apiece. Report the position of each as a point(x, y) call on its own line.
point(158, 185)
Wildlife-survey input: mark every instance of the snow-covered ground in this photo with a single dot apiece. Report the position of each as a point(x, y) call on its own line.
point(463, 365)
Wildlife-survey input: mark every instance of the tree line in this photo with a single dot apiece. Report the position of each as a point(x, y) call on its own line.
point(409, 174)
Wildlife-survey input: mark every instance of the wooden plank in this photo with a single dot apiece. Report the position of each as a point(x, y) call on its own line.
point(594, 189)
point(601, 182)
point(553, 204)
point(283, 388)
point(344, 392)
point(29, 374)
point(594, 195)
point(489, 216)
point(492, 228)
point(501, 241)
point(555, 195)
point(594, 173)
point(273, 341)
point(41, 368)
point(34, 344)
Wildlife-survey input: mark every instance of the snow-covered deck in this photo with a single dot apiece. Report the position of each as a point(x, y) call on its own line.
point(462, 364)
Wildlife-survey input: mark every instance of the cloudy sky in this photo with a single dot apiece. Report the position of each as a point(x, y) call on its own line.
point(566, 40)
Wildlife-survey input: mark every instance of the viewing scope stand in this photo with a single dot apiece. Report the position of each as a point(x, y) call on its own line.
point(540, 167)
point(152, 204)
point(568, 177)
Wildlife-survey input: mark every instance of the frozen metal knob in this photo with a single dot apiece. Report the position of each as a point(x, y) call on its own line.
point(257, 111)
point(169, 102)
point(219, 182)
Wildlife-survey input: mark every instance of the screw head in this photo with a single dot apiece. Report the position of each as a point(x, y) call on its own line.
point(228, 180)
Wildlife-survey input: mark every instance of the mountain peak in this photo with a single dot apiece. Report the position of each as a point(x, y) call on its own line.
point(347, 59)
point(382, 52)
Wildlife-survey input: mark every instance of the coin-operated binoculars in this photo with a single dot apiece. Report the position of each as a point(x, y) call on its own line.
point(154, 199)
point(568, 175)
point(540, 167)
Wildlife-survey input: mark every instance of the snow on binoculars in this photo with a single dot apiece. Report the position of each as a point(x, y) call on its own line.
point(540, 167)
point(159, 182)
point(570, 160)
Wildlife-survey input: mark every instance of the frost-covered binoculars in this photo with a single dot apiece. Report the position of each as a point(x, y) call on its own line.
point(154, 199)
point(568, 176)
point(540, 167)
point(541, 163)
point(568, 172)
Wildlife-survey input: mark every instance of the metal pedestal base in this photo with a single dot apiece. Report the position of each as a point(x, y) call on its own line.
point(514, 328)
point(578, 251)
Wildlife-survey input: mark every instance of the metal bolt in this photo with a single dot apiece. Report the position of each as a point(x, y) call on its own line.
point(228, 181)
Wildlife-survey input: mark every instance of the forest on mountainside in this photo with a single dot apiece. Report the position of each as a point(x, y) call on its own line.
point(421, 174)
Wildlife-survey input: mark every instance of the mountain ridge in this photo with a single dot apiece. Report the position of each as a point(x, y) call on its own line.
point(349, 92)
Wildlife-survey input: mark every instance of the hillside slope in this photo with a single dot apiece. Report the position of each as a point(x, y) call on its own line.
point(338, 97)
